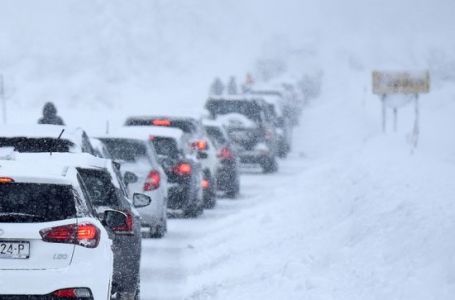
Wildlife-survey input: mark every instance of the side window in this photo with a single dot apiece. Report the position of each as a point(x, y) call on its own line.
point(84, 206)
point(119, 178)
point(86, 145)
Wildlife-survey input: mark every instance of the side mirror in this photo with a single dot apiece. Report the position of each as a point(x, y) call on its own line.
point(141, 200)
point(130, 177)
point(202, 155)
point(115, 219)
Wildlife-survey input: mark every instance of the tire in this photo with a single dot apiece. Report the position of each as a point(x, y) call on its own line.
point(210, 194)
point(233, 191)
point(270, 165)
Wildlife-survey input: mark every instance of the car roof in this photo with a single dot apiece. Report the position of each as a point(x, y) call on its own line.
point(243, 97)
point(39, 172)
point(42, 131)
point(212, 122)
point(127, 132)
point(60, 161)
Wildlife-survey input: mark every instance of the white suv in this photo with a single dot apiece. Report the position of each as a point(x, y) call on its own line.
point(52, 245)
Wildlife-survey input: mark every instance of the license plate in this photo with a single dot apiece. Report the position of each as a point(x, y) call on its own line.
point(14, 250)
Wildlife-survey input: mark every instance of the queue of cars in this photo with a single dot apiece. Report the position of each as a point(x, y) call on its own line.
point(74, 209)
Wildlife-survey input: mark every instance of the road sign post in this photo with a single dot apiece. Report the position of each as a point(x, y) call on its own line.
point(407, 84)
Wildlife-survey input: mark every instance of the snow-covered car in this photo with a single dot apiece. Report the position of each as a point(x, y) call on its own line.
point(53, 245)
point(276, 108)
point(227, 175)
point(45, 138)
point(137, 156)
point(183, 171)
point(199, 143)
point(106, 191)
point(254, 138)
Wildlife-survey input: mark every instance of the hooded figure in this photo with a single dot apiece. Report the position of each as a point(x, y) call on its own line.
point(50, 115)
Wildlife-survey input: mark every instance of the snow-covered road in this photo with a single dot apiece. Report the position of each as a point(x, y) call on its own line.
point(352, 214)
point(191, 249)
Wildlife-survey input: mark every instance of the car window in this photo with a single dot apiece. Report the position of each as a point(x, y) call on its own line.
point(37, 145)
point(216, 135)
point(100, 188)
point(165, 146)
point(127, 150)
point(33, 202)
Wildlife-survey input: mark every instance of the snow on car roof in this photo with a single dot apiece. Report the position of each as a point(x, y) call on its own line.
point(236, 120)
point(243, 97)
point(42, 131)
point(77, 160)
point(144, 132)
point(38, 172)
point(212, 122)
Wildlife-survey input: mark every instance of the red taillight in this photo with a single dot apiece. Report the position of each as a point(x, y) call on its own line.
point(152, 182)
point(161, 122)
point(72, 293)
point(205, 184)
point(128, 227)
point(66, 293)
point(225, 153)
point(183, 169)
point(199, 145)
point(87, 235)
point(6, 180)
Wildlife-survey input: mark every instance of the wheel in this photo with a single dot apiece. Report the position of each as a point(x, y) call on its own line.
point(234, 190)
point(209, 194)
point(270, 165)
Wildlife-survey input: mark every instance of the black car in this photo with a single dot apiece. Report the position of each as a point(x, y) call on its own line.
point(227, 175)
point(184, 173)
point(253, 136)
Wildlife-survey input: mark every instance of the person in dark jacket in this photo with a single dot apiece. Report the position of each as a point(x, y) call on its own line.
point(50, 115)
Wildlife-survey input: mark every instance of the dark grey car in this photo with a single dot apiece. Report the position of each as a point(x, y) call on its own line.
point(106, 193)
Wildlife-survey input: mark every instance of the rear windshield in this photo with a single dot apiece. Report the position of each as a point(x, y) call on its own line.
point(33, 202)
point(34, 145)
point(99, 187)
point(127, 150)
point(216, 135)
point(247, 108)
point(166, 147)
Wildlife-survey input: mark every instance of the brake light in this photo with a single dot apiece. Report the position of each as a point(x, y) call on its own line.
point(6, 180)
point(72, 293)
point(153, 180)
point(200, 145)
point(161, 122)
point(205, 184)
point(183, 169)
point(225, 153)
point(86, 235)
point(128, 227)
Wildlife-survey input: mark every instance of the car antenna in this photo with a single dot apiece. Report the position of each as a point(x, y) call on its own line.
point(59, 136)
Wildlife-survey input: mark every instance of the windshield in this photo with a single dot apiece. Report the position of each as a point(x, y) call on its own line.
point(166, 147)
point(127, 150)
point(33, 202)
point(36, 145)
point(247, 108)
